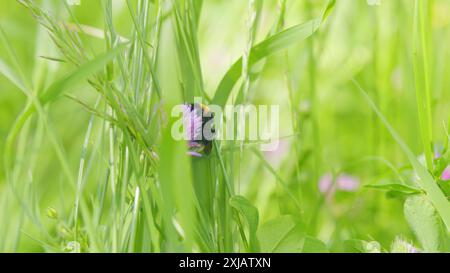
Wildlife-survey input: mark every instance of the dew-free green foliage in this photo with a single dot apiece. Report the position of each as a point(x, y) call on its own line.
point(250, 214)
point(426, 224)
point(287, 234)
point(88, 162)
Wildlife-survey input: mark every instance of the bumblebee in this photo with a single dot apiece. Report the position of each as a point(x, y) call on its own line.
point(199, 123)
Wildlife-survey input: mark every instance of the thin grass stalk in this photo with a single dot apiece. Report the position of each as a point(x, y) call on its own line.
point(112, 167)
point(312, 71)
point(81, 170)
point(421, 75)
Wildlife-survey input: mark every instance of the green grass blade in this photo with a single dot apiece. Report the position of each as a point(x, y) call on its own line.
point(12, 77)
point(280, 180)
point(55, 90)
point(251, 216)
point(79, 75)
point(421, 77)
point(177, 190)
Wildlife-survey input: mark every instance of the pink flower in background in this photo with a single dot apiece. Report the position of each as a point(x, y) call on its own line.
point(347, 183)
point(438, 149)
point(192, 123)
point(343, 182)
point(437, 155)
point(326, 183)
point(446, 174)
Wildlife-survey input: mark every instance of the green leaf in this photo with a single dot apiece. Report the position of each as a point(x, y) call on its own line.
point(287, 234)
point(313, 245)
point(282, 234)
point(426, 181)
point(395, 187)
point(445, 186)
point(176, 190)
point(251, 216)
point(426, 223)
point(267, 47)
point(328, 9)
